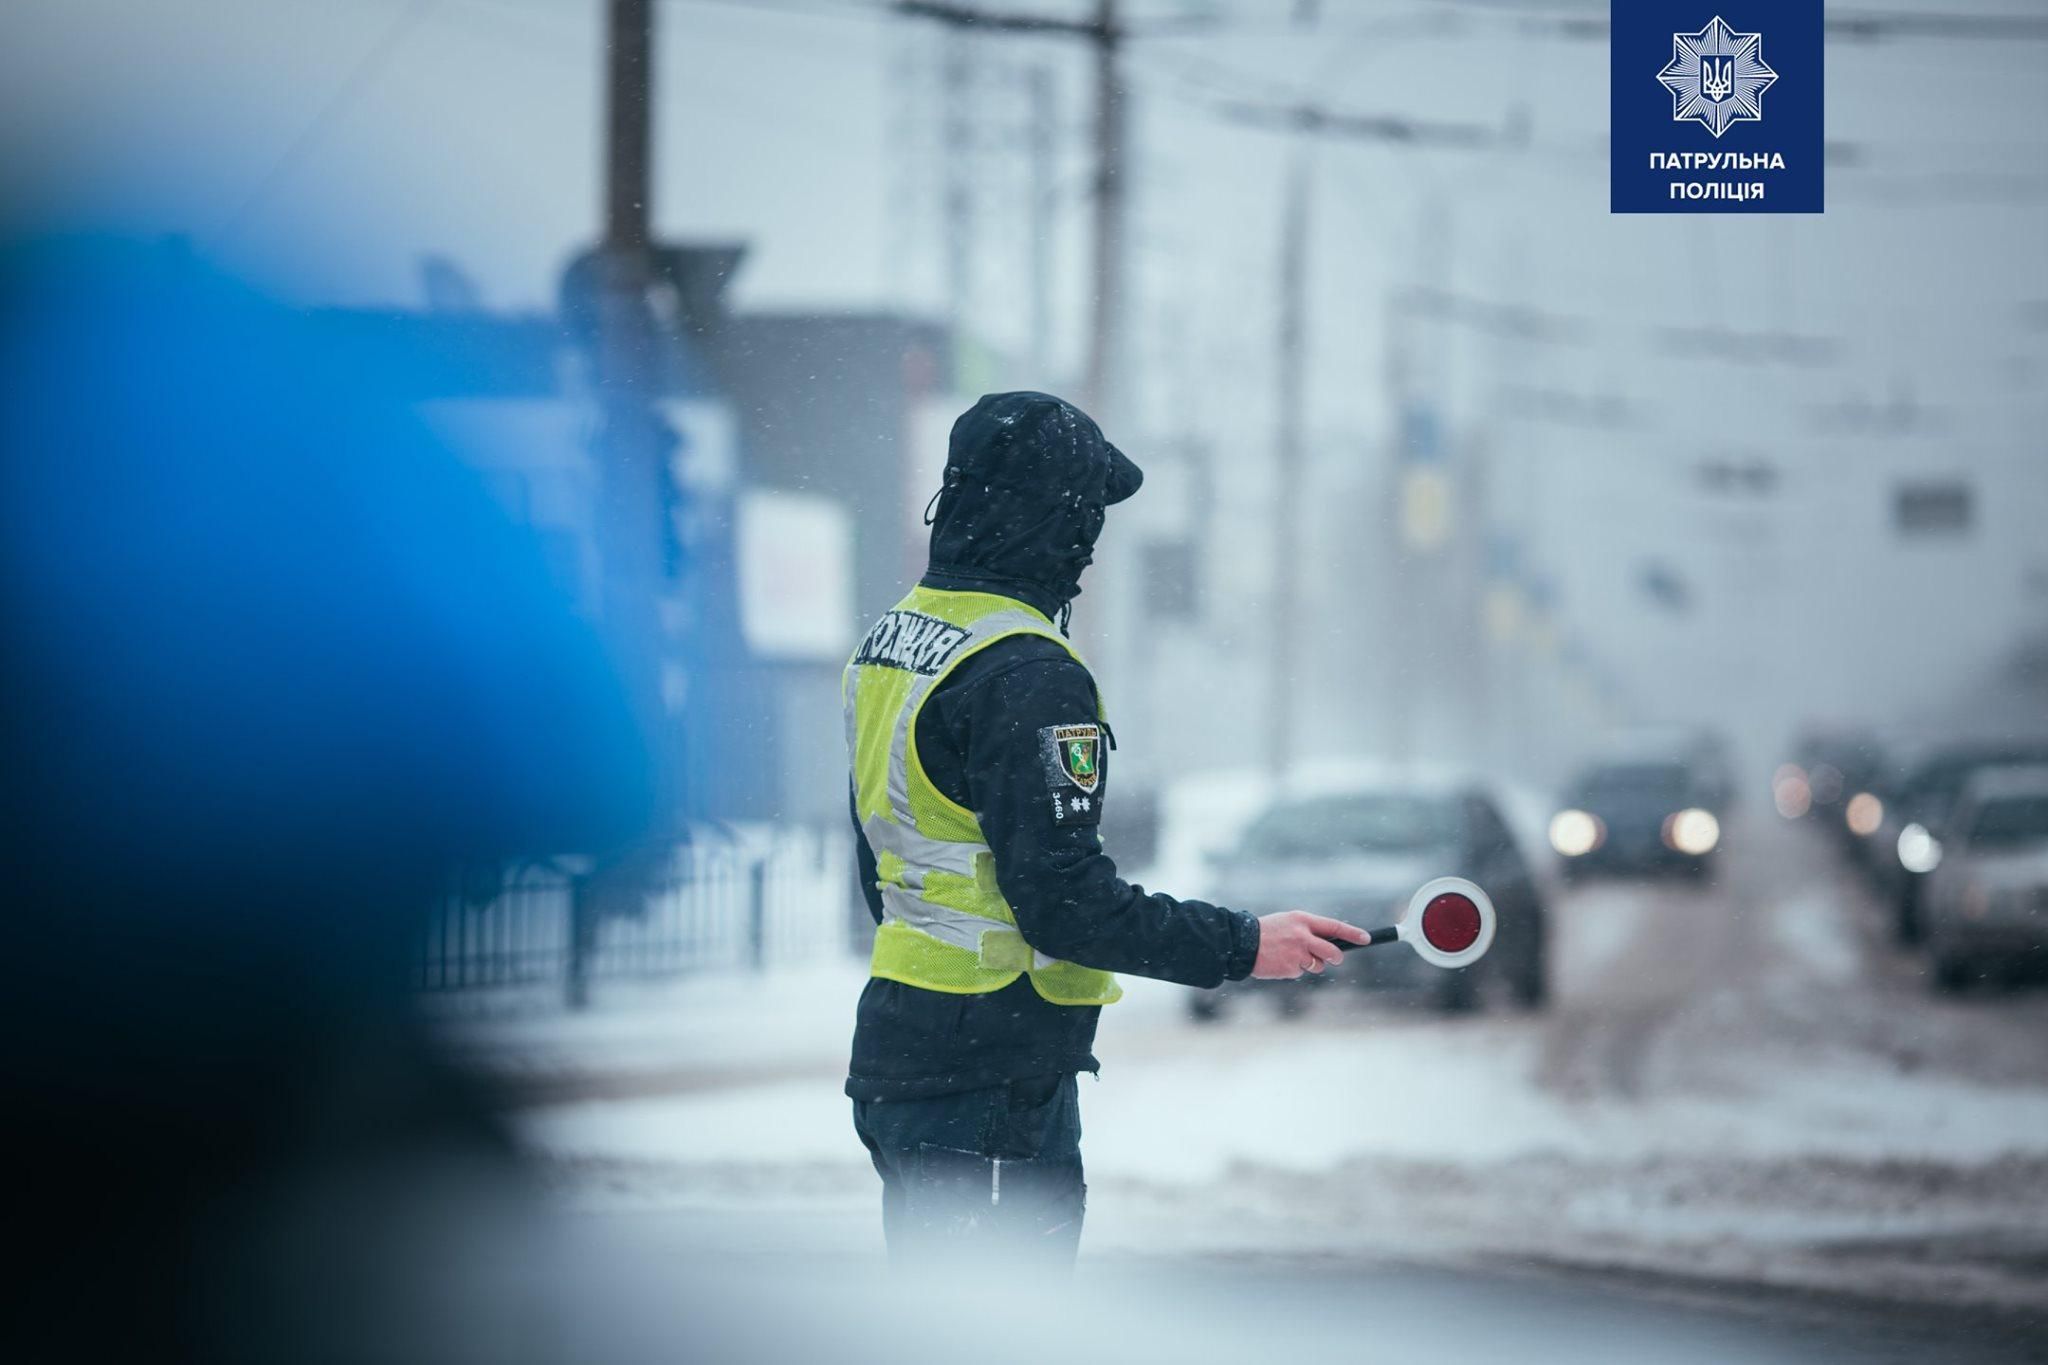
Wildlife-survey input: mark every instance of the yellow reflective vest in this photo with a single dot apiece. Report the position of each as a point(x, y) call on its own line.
point(945, 925)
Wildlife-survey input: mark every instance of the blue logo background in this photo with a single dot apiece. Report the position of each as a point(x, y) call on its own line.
point(1639, 108)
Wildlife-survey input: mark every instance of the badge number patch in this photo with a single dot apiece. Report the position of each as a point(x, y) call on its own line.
point(1073, 771)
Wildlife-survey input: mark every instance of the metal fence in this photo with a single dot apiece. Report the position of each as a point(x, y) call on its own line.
point(730, 897)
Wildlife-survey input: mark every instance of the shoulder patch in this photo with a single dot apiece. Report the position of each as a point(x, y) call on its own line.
point(1072, 755)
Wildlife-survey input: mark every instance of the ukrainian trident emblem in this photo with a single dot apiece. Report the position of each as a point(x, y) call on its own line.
point(1717, 77)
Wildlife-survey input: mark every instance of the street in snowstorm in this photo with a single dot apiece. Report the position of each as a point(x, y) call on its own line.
point(1745, 1128)
point(1025, 680)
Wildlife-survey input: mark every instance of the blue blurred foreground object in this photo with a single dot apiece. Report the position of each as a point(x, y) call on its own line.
point(273, 665)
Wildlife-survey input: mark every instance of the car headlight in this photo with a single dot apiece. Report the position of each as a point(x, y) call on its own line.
point(1575, 833)
point(1863, 814)
point(1919, 851)
point(1790, 792)
point(1692, 831)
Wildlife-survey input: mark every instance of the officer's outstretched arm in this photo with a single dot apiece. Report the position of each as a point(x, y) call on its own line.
point(1039, 773)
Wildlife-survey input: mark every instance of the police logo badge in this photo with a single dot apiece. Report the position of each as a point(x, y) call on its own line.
point(1717, 77)
point(1073, 754)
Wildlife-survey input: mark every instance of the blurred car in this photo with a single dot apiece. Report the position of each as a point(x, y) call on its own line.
point(1836, 780)
point(1704, 750)
point(1908, 840)
point(1639, 814)
point(1356, 852)
point(1987, 902)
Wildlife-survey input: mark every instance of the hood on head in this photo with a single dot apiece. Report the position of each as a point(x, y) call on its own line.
point(1028, 479)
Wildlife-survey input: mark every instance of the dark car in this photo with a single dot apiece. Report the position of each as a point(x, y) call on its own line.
point(1638, 815)
point(1909, 838)
point(1357, 852)
point(1986, 905)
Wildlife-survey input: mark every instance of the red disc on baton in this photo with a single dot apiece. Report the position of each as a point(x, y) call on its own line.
point(1450, 922)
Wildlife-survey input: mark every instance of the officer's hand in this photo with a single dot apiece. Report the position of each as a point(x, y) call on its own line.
point(1294, 941)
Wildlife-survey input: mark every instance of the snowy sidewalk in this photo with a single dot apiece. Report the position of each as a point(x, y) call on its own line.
point(693, 1034)
point(690, 1034)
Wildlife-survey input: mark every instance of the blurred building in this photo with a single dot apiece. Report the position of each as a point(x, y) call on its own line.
point(793, 509)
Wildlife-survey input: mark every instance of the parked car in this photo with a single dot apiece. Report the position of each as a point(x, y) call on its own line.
point(1987, 902)
point(1639, 814)
point(1356, 852)
point(1909, 837)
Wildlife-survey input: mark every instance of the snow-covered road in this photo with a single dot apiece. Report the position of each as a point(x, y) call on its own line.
point(1736, 1083)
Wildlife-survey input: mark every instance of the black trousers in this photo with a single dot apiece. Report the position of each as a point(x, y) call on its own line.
point(993, 1172)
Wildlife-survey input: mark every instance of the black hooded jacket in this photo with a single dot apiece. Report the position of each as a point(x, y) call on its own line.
point(1028, 480)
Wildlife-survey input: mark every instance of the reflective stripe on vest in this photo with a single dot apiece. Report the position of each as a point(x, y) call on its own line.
point(946, 926)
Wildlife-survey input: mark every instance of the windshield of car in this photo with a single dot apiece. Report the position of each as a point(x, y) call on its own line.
point(1336, 826)
point(1631, 783)
point(2011, 822)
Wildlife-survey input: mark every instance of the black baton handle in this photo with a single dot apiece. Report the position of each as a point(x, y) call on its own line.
point(1386, 935)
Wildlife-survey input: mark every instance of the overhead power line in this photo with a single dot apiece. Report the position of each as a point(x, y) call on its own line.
point(993, 21)
point(1104, 26)
point(1315, 118)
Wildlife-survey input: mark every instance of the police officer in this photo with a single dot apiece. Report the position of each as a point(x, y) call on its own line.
point(980, 754)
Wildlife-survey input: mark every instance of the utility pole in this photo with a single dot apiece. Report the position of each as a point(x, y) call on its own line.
point(1105, 331)
point(632, 453)
point(629, 116)
point(1106, 35)
point(632, 447)
point(1289, 393)
point(1290, 389)
point(1044, 144)
point(1283, 659)
point(958, 166)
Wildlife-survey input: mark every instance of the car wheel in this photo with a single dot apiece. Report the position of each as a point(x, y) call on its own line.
point(1205, 1007)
